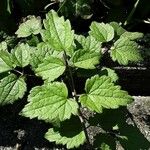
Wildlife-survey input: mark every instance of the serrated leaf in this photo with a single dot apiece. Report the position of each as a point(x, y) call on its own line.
point(102, 32)
point(51, 68)
point(6, 63)
point(125, 51)
point(85, 59)
point(31, 26)
point(110, 73)
point(101, 92)
point(70, 134)
point(49, 102)
point(42, 51)
point(88, 43)
point(3, 46)
point(58, 32)
point(21, 55)
point(117, 28)
point(11, 89)
point(132, 35)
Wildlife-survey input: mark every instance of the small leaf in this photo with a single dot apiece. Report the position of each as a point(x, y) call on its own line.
point(101, 92)
point(110, 73)
point(88, 43)
point(51, 68)
point(49, 102)
point(118, 29)
point(11, 89)
point(70, 134)
point(105, 142)
point(21, 55)
point(3, 46)
point(85, 59)
point(42, 51)
point(125, 51)
point(31, 26)
point(132, 35)
point(102, 32)
point(58, 32)
point(6, 63)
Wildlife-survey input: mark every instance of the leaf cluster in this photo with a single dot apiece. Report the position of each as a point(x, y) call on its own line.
point(57, 59)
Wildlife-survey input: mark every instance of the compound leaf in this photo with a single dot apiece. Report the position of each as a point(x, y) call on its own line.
point(58, 32)
point(31, 26)
point(21, 55)
point(102, 32)
point(11, 89)
point(51, 68)
point(85, 59)
point(125, 51)
point(6, 63)
point(101, 92)
point(49, 102)
point(70, 133)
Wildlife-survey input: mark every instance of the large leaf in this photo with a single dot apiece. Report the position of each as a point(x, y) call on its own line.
point(57, 32)
point(125, 51)
point(51, 68)
point(21, 55)
point(88, 43)
point(11, 89)
point(101, 92)
point(49, 102)
point(70, 133)
point(85, 59)
point(6, 63)
point(31, 26)
point(102, 32)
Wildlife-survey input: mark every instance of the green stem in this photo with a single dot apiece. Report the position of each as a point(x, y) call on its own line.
point(132, 12)
point(74, 94)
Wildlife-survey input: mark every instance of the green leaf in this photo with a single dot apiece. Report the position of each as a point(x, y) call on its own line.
point(70, 133)
point(118, 29)
point(102, 32)
point(51, 68)
point(11, 89)
point(110, 73)
point(125, 51)
point(31, 26)
point(42, 51)
point(49, 102)
point(6, 63)
point(132, 35)
point(21, 55)
point(88, 43)
point(85, 59)
point(58, 32)
point(101, 92)
point(3, 46)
